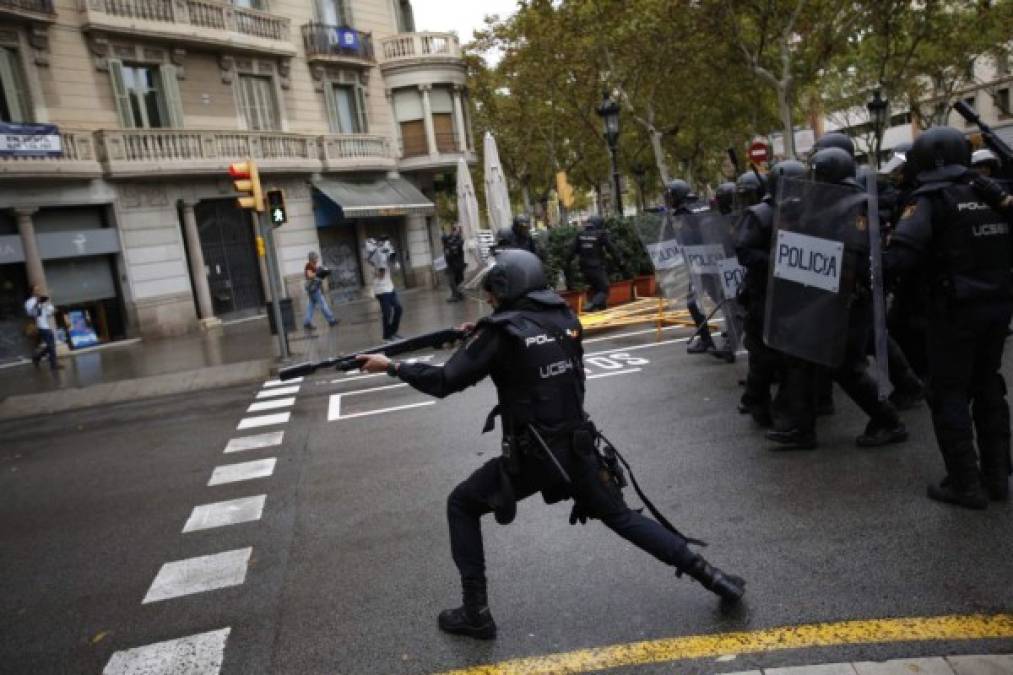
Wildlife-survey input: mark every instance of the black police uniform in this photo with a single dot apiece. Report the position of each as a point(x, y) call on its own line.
point(453, 254)
point(692, 237)
point(965, 243)
point(525, 242)
point(532, 351)
point(591, 245)
point(752, 248)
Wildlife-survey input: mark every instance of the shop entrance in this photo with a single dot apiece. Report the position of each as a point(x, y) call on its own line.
point(14, 342)
point(226, 237)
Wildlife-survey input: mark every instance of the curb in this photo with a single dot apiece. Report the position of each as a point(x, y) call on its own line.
point(63, 400)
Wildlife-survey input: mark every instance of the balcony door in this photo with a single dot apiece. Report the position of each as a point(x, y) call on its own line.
point(226, 239)
point(147, 96)
point(346, 108)
point(335, 12)
point(258, 103)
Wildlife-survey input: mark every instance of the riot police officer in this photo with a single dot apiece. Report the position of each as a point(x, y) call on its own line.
point(682, 201)
point(724, 198)
point(959, 226)
point(531, 347)
point(834, 139)
point(803, 379)
point(986, 163)
point(752, 248)
point(453, 254)
point(591, 245)
point(522, 235)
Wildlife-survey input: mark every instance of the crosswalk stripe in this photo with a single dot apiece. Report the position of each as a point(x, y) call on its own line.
point(263, 421)
point(278, 383)
point(199, 575)
point(201, 653)
point(233, 473)
point(268, 440)
point(278, 391)
point(272, 404)
point(220, 514)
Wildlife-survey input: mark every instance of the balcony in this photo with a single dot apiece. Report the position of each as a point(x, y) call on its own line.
point(408, 49)
point(79, 160)
point(359, 152)
point(336, 44)
point(33, 10)
point(194, 23)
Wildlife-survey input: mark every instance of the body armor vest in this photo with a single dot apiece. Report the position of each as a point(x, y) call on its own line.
point(971, 243)
point(591, 248)
point(453, 249)
point(543, 383)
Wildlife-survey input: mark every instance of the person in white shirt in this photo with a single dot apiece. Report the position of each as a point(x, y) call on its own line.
point(380, 255)
point(39, 308)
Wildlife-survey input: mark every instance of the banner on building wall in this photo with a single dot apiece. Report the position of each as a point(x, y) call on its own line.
point(30, 140)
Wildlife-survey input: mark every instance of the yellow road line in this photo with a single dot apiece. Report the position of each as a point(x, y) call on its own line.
point(917, 629)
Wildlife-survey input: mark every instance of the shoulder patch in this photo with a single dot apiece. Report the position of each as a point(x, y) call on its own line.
point(909, 211)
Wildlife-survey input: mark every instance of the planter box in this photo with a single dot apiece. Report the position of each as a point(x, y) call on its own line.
point(620, 292)
point(646, 286)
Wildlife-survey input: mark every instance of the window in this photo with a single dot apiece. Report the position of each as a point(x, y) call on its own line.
point(442, 104)
point(147, 97)
point(1002, 103)
point(346, 109)
point(411, 121)
point(972, 103)
point(403, 16)
point(335, 12)
point(251, 4)
point(256, 99)
point(14, 101)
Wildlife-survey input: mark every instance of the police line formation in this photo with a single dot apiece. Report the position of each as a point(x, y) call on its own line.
point(792, 260)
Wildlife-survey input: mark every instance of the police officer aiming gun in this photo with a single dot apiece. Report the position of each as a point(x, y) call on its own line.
point(531, 347)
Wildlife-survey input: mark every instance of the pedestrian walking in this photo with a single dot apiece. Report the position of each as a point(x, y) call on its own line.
point(380, 255)
point(40, 308)
point(453, 254)
point(315, 275)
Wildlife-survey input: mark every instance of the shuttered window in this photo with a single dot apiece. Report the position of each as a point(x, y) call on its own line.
point(442, 104)
point(335, 12)
point(147, 97)
point(413, 138)
point(14, 100)
point(346, 109)
point(256, 98)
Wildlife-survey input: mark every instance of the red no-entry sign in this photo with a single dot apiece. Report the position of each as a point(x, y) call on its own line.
point(759, 153)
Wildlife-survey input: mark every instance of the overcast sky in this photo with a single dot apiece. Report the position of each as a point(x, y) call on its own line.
point(462, 16)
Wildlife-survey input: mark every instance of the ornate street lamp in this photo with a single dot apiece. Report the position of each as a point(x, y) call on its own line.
point(879, 113)
point(609, 112)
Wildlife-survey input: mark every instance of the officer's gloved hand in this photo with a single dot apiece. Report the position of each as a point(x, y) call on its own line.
point(578, 513)
point(992, 193)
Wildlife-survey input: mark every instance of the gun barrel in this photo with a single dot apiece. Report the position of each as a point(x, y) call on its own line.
point(967, 112)
point(298, 370)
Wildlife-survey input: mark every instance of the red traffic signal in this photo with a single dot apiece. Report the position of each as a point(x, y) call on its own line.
point(246, 180)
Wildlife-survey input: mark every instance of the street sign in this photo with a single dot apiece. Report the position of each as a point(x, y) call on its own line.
point(759, 153)
point(276, 207)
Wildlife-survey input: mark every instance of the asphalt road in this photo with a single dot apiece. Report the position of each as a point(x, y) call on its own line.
point(350, 562)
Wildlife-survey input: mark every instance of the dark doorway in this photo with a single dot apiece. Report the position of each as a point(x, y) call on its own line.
point(230, 255)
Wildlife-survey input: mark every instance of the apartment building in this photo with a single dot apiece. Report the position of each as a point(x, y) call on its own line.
point(119, 118)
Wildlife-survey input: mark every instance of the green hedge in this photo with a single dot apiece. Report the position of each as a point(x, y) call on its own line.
point(558, 243)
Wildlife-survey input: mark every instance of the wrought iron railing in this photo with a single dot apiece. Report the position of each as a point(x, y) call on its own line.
point(202, 13)
point(323, 40)
point(37, 6)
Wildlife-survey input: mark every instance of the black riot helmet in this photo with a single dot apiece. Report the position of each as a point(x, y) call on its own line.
point(679, 192)
point(789, 168)
point(750, 188)
point(835, 139)
point(831, 165)
point(522, 221)
point(595, 223)
point(504, 238)
point(515, 274)
point(940, 153)
point(896, 166)
point(986, 163)
point(724, 197)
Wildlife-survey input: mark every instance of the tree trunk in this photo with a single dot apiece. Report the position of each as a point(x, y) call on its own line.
point(784, 107)
point(526, 197)
point(659, 157)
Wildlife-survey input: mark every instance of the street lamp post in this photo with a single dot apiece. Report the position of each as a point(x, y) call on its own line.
point(640, 173)
point(609, 112)
point(879, 110)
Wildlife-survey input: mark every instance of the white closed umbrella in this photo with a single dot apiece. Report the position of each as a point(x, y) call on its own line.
point(467, 214)
point(497, 195)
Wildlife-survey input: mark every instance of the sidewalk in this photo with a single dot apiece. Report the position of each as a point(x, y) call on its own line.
point(951, 665)
point(233, 354)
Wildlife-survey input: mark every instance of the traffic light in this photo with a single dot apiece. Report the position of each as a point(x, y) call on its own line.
point(276, 207)
point(247, 181)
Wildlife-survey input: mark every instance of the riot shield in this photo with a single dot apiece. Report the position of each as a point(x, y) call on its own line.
point(657, 232)
point(819, 252)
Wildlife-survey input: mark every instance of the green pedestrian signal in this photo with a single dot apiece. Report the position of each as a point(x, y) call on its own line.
point(276, 207)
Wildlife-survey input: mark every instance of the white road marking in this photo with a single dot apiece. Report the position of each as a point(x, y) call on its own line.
point(273, 404)
point(278, 391)
point(360, 377)
point(268, 440)
point(383, 388)
point(632, 334)
point(278, 383)
point(233, 473)
point(195, 654)
point(198, 575)
point(263, 421)
point(636, 347)
point(381, 411)
point(220, 514)
point(614, 372)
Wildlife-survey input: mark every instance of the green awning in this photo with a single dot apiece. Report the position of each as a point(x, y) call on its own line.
point(376, 198)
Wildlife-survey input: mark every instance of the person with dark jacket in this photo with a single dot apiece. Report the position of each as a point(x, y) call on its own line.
point(453, 255)
point(531, 348)
point(590, 247)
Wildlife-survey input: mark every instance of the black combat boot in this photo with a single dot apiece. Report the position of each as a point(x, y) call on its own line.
point(701, 345)
point(793, 439)
point(962, 485)
point(472, 618)
point(877, 434)
point(728, 587)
